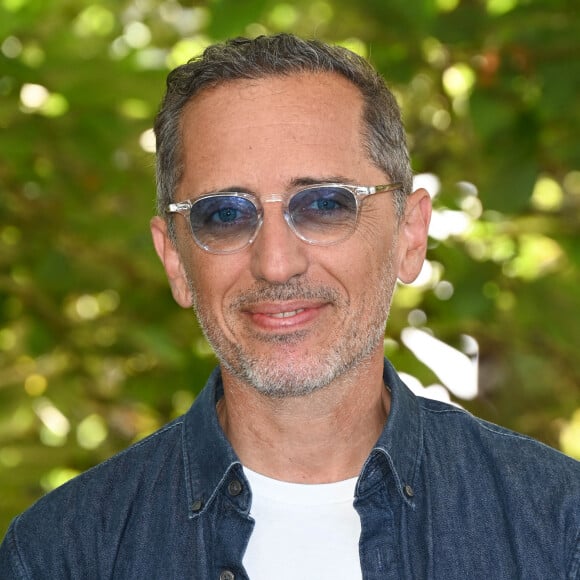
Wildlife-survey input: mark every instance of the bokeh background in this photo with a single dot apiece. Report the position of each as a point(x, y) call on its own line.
point(94, 354)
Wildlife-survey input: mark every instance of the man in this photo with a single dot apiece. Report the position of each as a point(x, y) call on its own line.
point(305, 456)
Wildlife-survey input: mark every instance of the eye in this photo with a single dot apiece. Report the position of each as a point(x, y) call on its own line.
point(225, 215)
point(222, 212)
point(323, 203)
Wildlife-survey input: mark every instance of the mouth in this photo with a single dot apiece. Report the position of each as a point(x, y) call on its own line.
point(287, 314)
point(285, 310)
point(280, 317)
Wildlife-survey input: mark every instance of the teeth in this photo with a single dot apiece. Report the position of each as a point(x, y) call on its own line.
point(287, 314)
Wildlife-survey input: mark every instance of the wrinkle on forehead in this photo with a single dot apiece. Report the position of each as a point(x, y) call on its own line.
point(288, 106)
point(274, 133)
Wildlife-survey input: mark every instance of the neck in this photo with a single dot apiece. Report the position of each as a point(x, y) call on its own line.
point(319, 438)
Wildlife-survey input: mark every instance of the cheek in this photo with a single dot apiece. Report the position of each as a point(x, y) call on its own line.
point(378, 242)
point(214, 279)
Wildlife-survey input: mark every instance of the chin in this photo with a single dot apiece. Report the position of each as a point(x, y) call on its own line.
point(295, 374)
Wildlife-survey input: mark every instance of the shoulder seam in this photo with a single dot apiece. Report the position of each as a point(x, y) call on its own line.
point(168, 427)
point(491, 427)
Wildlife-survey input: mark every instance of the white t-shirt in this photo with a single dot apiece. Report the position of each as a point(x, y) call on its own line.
point(302, 531)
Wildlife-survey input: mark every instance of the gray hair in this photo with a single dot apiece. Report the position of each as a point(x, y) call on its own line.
point(282, 54)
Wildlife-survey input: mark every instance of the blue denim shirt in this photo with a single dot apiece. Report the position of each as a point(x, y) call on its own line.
point(442, 495)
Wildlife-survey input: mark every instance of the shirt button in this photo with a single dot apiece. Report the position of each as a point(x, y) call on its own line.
point(227, 575)
point(408, 490)
point(234, 488)
point(196, 505)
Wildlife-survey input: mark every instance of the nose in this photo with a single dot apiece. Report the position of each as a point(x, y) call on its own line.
point(278, 255)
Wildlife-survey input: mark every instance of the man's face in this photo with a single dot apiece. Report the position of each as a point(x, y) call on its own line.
point(282, 315)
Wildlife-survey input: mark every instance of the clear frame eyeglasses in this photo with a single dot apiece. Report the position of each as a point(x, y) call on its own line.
point(226, 222)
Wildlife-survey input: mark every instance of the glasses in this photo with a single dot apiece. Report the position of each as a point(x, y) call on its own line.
point(227, 222)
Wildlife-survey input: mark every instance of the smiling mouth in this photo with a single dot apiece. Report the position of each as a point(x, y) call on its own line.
point(288, 314)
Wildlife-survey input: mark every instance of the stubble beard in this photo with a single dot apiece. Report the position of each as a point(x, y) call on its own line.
point(279, 376)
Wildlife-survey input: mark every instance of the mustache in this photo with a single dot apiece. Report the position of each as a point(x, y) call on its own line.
point(286, 292)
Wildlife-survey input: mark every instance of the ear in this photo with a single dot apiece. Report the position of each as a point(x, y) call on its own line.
point(169, 256)
point(413, 235)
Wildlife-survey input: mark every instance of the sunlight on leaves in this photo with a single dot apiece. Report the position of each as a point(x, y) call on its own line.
point(537, 256)
point(95, 20)
point(14, 5)
point(446, 223)
point(36, 98)
point(457, 370)
point(32, 55)
point(135, 109)
point(187, 49)
point(572, 182)
point(447, 5)
point(570, 436)
point(435, 391)
point(356, 45)
point(92, 431)
point(10, 235)
point(35, 385)
point(434, 51)
point(547, 195)
point(458, 80)
point(147, 141)
point(181, 400)
point(499, 7)
point(33, 96)
point(137, 35)
point(186, 21)
point(283, 16)
point(320, 12)
point(52, 418)
point(10, 457)
point(11, 47)
point(7, 339)
point(57, 477)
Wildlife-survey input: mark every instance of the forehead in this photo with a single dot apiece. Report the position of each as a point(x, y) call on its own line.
point(294, 124)
point(295, 94)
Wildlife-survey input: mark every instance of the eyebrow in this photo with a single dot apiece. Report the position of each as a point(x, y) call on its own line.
point(306, 181)
point(294, 183)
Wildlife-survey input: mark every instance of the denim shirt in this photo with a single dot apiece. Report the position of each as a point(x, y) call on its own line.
point(441, 495)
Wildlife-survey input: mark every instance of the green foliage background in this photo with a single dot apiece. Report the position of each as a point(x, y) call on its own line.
point(94, 354)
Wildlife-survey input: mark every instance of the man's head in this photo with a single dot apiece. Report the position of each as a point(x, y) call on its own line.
point(285, 314)
point(281, 55)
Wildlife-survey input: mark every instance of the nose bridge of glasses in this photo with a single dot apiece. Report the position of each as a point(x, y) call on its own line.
point(278, 198)
point(272, 198)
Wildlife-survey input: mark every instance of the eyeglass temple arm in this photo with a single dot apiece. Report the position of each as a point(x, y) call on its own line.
point(378, 188)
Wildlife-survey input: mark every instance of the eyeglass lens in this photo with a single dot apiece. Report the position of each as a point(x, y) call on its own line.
point(225, 223)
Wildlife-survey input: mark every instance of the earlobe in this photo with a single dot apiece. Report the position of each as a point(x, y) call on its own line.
point(413, 235)
point(169, 256)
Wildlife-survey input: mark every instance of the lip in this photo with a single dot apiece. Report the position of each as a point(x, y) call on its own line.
point(284, 315)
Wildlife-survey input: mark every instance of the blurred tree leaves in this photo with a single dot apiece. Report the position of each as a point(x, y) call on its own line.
point(94, 354)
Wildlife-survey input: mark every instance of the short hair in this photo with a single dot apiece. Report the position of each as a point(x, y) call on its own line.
point(280, 55)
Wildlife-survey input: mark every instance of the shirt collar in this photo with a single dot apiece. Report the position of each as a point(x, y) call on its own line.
point(209, 458)
point(208, 455)
point(401, 439)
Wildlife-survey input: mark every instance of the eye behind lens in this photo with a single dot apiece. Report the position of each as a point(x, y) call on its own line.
point(223, 223)
point(222, 210)
point(323, 214)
